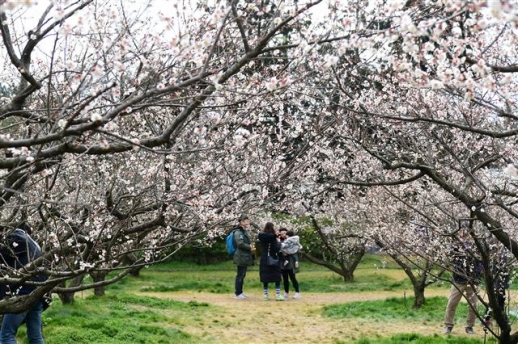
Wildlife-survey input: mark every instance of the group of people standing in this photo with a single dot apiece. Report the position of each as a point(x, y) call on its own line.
point(278, 261)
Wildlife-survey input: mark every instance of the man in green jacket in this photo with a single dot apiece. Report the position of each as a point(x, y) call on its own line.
point(243, 257)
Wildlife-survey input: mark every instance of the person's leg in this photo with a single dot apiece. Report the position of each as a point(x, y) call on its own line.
point(245, 268)
point(471, 297)
point(240, 277)
point(265, 291)
point(294, 281)
point(33, 321)
point(278, 296)
point(285, 281)
point(453, 302)
point(10, 325)
point(278, 288)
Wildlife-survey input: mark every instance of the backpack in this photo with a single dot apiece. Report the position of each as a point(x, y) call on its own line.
point(229, 241)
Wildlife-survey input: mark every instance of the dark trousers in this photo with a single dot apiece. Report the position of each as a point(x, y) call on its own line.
point(240, 278)
point(291, 274)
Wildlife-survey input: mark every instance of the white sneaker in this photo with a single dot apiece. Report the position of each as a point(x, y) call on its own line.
point(296, 296)
point(286, 295)
point(240, 297)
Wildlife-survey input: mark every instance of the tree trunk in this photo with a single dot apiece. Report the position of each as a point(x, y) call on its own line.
point(135, 271)
point(98, 276)
point(353, 264)
point(348, 275)
point(68, 298)
point(418, 282)
point(506, 337)
point(419, 298)
point(131, 259)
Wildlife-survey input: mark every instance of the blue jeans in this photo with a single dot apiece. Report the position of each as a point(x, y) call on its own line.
point(32, 319)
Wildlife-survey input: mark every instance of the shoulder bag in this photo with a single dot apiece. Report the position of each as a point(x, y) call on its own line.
point(270, 260)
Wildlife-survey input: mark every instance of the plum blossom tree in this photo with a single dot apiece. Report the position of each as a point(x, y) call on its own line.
point(132, 130)
point(422, 94)
point(339, 247)
point(411, 240)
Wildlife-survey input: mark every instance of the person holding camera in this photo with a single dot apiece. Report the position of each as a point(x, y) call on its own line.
point(16, 251)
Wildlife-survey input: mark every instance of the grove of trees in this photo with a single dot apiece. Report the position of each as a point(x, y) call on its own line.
point(130, 129)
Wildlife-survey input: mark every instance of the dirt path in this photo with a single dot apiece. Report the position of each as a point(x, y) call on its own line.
point(295, 321)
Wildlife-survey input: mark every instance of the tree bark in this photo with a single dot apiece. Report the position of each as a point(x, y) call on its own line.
point(68, 297)
point(346, 271)
point(419, 298)
point(99, 276)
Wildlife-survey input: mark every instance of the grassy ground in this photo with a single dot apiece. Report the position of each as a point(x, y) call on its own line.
point(181, 303)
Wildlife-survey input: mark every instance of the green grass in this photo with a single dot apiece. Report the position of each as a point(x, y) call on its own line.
point(120, 318)
point(372, 280)
point(178, 276)
point(167, 281)
point(124, 316)
point(418, 339)
point(393, 309)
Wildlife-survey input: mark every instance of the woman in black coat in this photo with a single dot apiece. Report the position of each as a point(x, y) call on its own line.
point(270, 245)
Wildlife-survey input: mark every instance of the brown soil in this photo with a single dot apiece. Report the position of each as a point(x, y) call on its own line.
point(296, 321)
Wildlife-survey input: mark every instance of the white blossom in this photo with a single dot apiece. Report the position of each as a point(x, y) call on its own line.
point(136, 143)
point(239, 140)
point(95, 117)
point(511, 171)
point(271, 84)
point(407, 24)
point(330, 60)
point(436, 84)
point(495, 7)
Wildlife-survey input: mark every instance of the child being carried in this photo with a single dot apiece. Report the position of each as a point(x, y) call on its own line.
point(291, 245)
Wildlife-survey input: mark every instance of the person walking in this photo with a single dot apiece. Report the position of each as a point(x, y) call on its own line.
point(270, 244)
point(467, 271)
point(17, 250)
point(243, 256)
point(290, 245)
